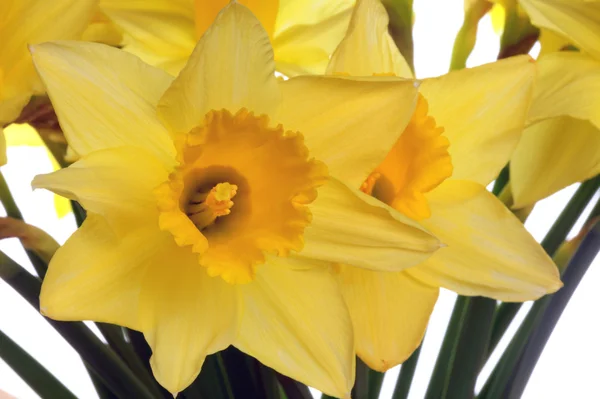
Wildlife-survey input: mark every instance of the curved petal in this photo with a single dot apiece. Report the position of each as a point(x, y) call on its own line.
point(483, 112)
point(348, 124)
point(552, 155)
point(389, 312)
point(353, 228)
point(489, 252)
point(97, 274)
point(304, 48)
point(27, 22)
point(104, 97)
point(579, 20)
point(368, 48)
point(157, 31)
point(296, 322)
point(313, 12)
point(231, 67)
point(568, 85)
point(185, 316)
point(116, 183)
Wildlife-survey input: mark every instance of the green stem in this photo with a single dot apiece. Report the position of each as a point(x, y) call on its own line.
point(375, 382)
point(33, 373)
point(578, 266)
point(12, 210)
point(292, 388)
point(405, 378)
point(361, 384)
point(113, 372)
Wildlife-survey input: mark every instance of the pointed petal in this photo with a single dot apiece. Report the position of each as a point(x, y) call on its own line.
point(389, 311)
point(552, 155)
point(489, 252)
point(368, 48)
point(116, 183)
point(567, 85)
point(27, 22)
point(97, 274)
point(231, 67)
point(104, 97)
point(305, 44)
point(353, 228)
point(579, 20)
point(296, 322)
point(348, 124)
point(185, 315)
point(483, 112)
point(157, 31)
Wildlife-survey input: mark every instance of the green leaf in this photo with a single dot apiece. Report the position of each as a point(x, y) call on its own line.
point(375, 382)
point(33, 373)
point(407, 372)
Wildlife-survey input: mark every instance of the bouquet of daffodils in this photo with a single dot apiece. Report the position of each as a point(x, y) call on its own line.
point(268, 199)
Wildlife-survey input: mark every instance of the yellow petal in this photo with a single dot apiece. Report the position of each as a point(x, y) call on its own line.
point(102, 30)
point(551, 42)
point(353, 228)
point(578, 20)
point(368, 48)
point(102, 179)
point(482, 111)
point(489, 252)
point(567, 85)
point(97, 274)
point(552, 155)
point(185, 316)
point(231, 67)
point(348, 124)
point(389, 312)
point(3, 158)
point(296, 322)
point(104, 97)
point(160, 32)
point(26, 22)
point(307, 34)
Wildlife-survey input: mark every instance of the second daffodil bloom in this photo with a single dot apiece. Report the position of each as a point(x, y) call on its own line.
point(24, 22)
point(462, 133)
point(304, 33)
point(217, 201)
point(562, 144)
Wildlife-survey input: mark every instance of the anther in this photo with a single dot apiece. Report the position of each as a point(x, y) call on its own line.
point(205, 207)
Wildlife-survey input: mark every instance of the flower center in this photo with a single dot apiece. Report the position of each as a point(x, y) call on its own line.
point(418, 163)
point(240, 191)
point(205, 207)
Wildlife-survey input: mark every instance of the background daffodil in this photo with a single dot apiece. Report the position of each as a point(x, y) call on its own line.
point(164, 32)
point(216, 201)
point(463, 131)
point(24, 22)
point(562, 144)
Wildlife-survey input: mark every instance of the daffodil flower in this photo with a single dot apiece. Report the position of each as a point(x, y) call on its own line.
point(463, 131)
point(24, 22)
point(304, 33)
point(562, 144)
point(218, 200)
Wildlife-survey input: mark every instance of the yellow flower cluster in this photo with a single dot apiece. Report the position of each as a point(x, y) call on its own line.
point(303, 220)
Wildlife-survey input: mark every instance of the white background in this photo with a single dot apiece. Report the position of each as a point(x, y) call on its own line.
point(568, 367)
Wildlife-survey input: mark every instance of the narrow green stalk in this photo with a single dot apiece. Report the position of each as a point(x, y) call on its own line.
point(12, 210)
point(442, 369)
point(471, 348)
point(113, 372)
point(501, 181)
point(405, 378)
point(292, 388)
point(33, 373)
point(375, 382)
point(578, 266)
point(503, 316)
point(361, 384)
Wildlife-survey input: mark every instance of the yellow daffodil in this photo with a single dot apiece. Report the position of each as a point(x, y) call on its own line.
point(24, 22)
point(304, 33)
point(217, 201)
point(462, 133)
point(562, 144)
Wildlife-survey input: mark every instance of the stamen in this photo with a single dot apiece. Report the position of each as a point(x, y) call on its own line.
point(367, 186)
point(205, 207)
